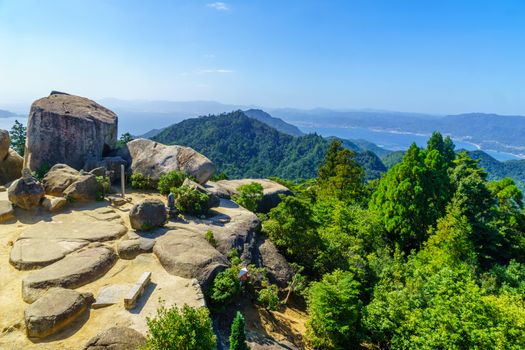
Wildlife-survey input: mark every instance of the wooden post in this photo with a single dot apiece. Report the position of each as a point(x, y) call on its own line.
point(122, 181)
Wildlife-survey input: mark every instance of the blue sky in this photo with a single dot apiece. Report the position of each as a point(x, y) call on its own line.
point(422, 56)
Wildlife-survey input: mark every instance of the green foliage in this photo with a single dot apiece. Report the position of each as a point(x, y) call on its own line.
point(190, 201)
point(104, 183)
point(226, 286)
point(210, 238)
point(238, 335)
point(170, 180)
point(180, 329)
point(124, 139)
point(268, 297)
point(41, 172)
point(249, 196)
point(139, 181)
point(335, 311)
point(18, 137)
point(218, 177)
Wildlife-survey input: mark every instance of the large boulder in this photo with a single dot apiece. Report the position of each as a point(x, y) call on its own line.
point(68, 129)
point(63, 180)
point(188, 254)
point(75, 270)
point(10, 162)
point(271, 191)
point(130, 248)
point(5, 142)
point(26, 192)
point(54, 311)
point(116, 338)
point(267, 255)
point(148, 214)
point(153, 160)
point(84, 189)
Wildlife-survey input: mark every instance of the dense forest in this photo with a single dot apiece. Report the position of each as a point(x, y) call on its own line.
point(431, 256)
point(245, 147)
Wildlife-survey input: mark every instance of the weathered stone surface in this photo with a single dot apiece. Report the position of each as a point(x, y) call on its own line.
point(6, 211)
point(111, 164)
point(271, 191)
point(68, 129)
point(131, 248)
point(154, 160)
point(116, 338)
point(279, 271)
point(217, 190)
point(10, 167)
point(58, 178)
point(84, 189)
point(148, 214)
point(54, 311)
point(5, 142)
point(26, 192)
point(28, 254)
point(54, 204)
point(187, 254)
point(73, 271)
point(257, 341)
point(110, 295)
point(3, 189)
point(213, 201)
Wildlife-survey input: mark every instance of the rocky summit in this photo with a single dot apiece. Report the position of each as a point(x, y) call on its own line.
point(68, 129)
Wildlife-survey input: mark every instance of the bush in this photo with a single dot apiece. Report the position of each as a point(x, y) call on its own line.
point(226, 286)
point(190, 201)
point(238, 335)
point(41, 171)
point(185, 329)
point(249, 196)
point(172, 179)
point(218, 177)
point(268, 297)
point(139, 181)
point(211, 238)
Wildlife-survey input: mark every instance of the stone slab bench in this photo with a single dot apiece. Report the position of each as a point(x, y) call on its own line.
point(136, 291)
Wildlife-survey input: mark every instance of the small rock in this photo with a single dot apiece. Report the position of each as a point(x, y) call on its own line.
point(84, 189)
point(131, 248)
point(6, 211)
point(55, 310)
point(116, 338)
point(148, 214)
point(26, 192)
point(54, 204)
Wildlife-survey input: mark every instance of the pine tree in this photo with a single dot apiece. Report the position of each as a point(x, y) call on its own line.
point(18, 138)
point(238, 336)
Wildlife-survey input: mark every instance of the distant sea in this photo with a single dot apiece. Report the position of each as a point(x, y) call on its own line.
point(396, 141)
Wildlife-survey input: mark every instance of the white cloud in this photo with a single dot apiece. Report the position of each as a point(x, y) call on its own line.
point(219, 6)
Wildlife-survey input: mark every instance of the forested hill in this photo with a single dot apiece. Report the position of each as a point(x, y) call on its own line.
point(244, 147)
point(276, 123)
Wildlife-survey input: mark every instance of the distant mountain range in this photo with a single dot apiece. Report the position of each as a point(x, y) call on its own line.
point(7, 114)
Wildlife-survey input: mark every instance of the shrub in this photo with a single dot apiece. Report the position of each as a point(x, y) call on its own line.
point(268, 297)
point(226, 286)
point(139, 181)
point(211, 238)
point(180, 329)
point(172, 179)
point(218, 177)
point(104, 183)
point(238, 335)
point(249, 196)
point(41, 171)
point(190, 201)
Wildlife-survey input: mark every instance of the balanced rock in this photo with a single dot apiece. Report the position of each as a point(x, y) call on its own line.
point(116, 338)
point(54, 311)
point(213, 199)
point(153, 160)
point(68, 129)
point(148, 214)
point(271, 191)
point(26, 192)
point(187, 254)
point(6, 211)
point(73, 271)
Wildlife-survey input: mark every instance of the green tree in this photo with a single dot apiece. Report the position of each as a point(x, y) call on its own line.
point(226, 286)
point(124, 139)
point(249, 196)
point(238, 335)
point(18, 137)
point(180, 329)
point(170, 180)
point(340, 176)
point(190, 201)
point(335, 312)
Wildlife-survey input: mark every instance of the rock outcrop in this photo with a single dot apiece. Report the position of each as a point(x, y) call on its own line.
point(187, 254)
point(153, 159)
point(271, 191)
point(131, 248)
point(116, 338)
point(10, 162)
point(54, 311)
point(62, 180)
point(68, 129)
point(148, 214)
point(279, 271)
point(26, 192)
point(75, 270)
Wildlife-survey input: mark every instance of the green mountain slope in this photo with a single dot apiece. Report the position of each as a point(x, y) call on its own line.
point(244, 147)
point(276, 123)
